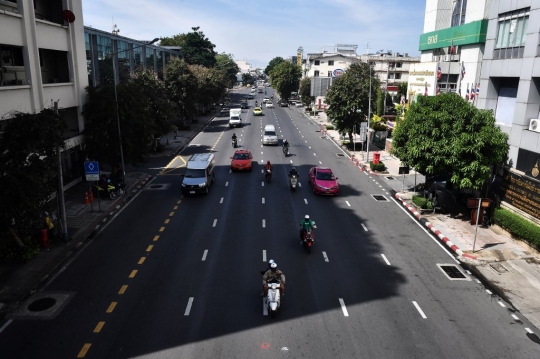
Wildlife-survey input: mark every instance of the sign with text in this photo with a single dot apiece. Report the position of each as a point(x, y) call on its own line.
point(91, 170)
point(522, 193)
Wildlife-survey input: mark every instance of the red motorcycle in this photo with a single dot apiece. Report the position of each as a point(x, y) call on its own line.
point(308, 238)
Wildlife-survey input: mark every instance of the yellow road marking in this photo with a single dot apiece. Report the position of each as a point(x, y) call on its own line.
point(98, 327)
point(156, 238)
point(123, 289)
point(149, 248)
point(167, 221)
point(111, 307)
point(180, 201)
point(133, 273)
point(162, 229)
point(175, 207)
point(171, 214)
point(141, 261)
point(84, 350)
point(166, 169)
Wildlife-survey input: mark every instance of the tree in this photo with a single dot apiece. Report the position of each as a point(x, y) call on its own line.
point(197, 48)
point(175, 40)
point(210, 85)
point(226, 64)
point(181, 84)
point(380, 105)
point(446, 135)
point(285, 78)
point(402, 91)
point(135, 111)
point(305, 91)
point(273, 63)
point(247, 78)
point(28, 154)
point(348, 97)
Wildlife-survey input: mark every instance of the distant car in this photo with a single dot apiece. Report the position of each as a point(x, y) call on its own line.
point(257, 111)
point(323, 181)
point(253, 90)
point(283, 103)
point(266, 99)
point(242, 160)
point(269, 105)
point(259, 90)
point(250, 97)
point(244, 104)
point(299, 104)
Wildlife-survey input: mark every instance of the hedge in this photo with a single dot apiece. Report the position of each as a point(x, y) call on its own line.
point(420, 201)
point(329, 127)
point(377, 167)
point(517, 226)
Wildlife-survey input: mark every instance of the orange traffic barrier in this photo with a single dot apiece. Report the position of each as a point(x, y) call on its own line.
point(351, 158)
point(356, 163)
point(91, 196)
point(86, 199)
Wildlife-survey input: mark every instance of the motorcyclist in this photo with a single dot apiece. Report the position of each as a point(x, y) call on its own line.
point(274, 275)
point(256, 103)
point(285, 144)
point(267, 167)
point(293, 172)
point(306, 225)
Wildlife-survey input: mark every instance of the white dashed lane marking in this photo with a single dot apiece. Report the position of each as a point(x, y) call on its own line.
point(343, 308)
point(419, 310)
point(348, 204)
point(363, 226)
point(325, 257)
point(188, 308)
point(204, 255)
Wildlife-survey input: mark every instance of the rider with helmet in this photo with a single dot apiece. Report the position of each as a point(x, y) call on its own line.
point(268, 167)
point(293, 172)
point(274, 275)
point(285, 144)
point(306, 225)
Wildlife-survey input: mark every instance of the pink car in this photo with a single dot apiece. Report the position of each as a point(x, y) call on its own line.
point(323, 181)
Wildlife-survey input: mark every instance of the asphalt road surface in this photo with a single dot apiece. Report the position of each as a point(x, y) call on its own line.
point(174, 277)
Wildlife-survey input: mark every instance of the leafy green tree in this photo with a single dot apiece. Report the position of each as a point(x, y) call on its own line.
point(402, 91)
point(198, 49)
point(273, 63)
point(29, 162)
point(348, 97)
point(226, 64)
point(181, 85)
point(101, 127)
point(445, 134)
point(286, 78)
point(247, 78)
point(380, 105)
point(210, 85)
point(175, 40)
point(305, 91)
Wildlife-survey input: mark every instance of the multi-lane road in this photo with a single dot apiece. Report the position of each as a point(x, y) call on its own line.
point(174, 277)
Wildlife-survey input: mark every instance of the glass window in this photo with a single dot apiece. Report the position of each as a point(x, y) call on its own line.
point(88, 48)
point(317, 62)
point(159, 58)
point(398, 76)
point(316, 74)
point(123, 54)
point(458, 15)
point(511, 34)
point(329, 73)
point(150, 58)
point(330, 62)
point(137, 57)
point(399, 65)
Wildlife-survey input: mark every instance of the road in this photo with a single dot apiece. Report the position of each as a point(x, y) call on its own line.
point(174, 277)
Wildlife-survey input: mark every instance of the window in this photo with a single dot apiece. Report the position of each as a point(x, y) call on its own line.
point(149, 58)
point(330, 62)
point(88, 48)
point(390, 76)
point(316, 74)
point(12, 71)
point(398, 76)
point(391, 65)
point(511, 34)
point(55, 67)
point(458, 15)
point(329, 73)
point(137, 57)
point(317, 62)
point(399, 65)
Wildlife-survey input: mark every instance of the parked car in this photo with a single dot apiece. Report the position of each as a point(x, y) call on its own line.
point(242, 160)
point(323, 181)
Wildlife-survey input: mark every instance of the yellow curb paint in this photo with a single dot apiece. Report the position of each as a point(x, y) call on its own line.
point(122, 289)
point(167, 221)
point(141, 261)
point(98, 327)
point(150, 247)
point(133, 273)
point(111, 307)
point(171, 214)
point(156, 238)
point(84, 350)
point(162, 229)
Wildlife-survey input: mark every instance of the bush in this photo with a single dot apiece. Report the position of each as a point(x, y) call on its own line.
point(420, 201)
point(377, 167)
point(518, 226)
point(329, 127)
point(13, 251)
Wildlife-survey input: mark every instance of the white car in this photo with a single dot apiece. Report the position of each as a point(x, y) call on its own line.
point(299, 104)
point(269, 105)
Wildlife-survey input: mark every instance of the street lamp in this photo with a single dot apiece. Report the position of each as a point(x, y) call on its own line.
point(116, 103)
point(369, 115)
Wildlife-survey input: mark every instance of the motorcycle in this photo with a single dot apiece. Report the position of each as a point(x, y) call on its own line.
point(235, 143)
point(110, 190)
point(273, 298)
point(308, 238)
point(268, 175)
point(293, 182)
point(286, 150)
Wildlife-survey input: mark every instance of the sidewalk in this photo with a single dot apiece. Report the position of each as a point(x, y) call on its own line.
point(84, 221)
point(508, 266)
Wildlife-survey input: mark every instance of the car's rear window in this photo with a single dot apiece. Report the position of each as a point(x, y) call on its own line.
point(241, 156)
point(325, 176)
point(269, 133)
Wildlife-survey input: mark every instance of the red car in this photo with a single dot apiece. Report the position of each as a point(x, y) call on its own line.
point(241, 160)
point(323, 181)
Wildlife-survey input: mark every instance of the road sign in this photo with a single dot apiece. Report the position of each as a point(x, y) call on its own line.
point(91, 170)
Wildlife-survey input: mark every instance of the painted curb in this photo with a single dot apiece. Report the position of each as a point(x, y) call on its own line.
point(434, 230)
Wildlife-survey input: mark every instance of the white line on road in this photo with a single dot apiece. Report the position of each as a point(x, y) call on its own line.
point(489, 292)
point(515, 317)
point(215, 222)
point(386, 260)
point(314, 154)
point(325, 257)
point(264, 255)
point(343, 308)
point(264, 223)
point(501, 304)
point(265, 307)
point(5, 325)
point(226, 184)
point(477, 281)
point(299, 184)
point(305, 200)
point(262, 171)
point(419, 310)
point(320, 162)
point(363, 226)
point(348, 204)
point(468, 272)
point(291, 161)
point(263, 200)
point(221, 200)
point(529, 331)
point(204, 255)
point(262, 183)
point(188, 308)
point(230, 171)
point(309, 146)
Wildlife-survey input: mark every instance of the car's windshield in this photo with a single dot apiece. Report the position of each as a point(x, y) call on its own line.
point(325, 176)
point(195, 173)
point(235, 118)
point(269, 133)
point(241, 156)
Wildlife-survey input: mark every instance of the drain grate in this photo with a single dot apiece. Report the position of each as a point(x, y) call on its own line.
point(340, 155)
point(41, 304)
point(379, 197)
point(158, 187)
point(323, 137)
point(452, 272)
point(390, 178)
point(499, 268)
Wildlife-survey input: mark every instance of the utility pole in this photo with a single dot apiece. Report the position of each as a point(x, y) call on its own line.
point(369, 109)
point(60, 192)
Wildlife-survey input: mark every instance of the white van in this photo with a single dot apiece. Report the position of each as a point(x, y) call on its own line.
point(235, 117)
point(199, 173)
point(269, 135)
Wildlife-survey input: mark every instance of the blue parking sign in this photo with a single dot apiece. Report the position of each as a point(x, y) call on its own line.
point(91, 170)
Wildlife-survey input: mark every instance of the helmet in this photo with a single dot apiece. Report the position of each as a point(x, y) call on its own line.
point(273, 266)
point(294, 168)
point(268, 162)
point(307, 216)
point(271, 261)
point(46, 214)
point(234, 134)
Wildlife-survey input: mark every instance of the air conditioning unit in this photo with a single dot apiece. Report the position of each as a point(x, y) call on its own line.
point(534, 125)
point(446, 58)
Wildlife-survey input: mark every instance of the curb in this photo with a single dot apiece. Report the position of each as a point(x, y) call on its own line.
point(434, 230)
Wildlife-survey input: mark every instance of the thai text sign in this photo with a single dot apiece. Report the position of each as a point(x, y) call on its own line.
point(471, 33)
point(522, 193)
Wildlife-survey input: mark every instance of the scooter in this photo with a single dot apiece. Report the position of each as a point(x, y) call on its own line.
point(273, 298)
point(293, 182)
point(286, 150)
point(268, 175)
point(308, 238)
point(111, 190)
point(235, 143)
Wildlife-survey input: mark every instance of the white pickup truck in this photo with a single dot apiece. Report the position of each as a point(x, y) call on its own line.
point(235, 118)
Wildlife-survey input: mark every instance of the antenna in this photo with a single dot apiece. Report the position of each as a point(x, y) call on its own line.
point(115, 29)
point(367, 49)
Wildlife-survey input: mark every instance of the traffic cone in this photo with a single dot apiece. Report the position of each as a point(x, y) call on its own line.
point(91, 197)
point(86, 200)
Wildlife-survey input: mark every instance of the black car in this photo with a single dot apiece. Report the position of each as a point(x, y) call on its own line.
point(283, 103)
point(244, 104)
point(250, 97)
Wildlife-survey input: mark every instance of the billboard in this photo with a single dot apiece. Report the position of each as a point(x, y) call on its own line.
point(422, 80)
point(471, 33)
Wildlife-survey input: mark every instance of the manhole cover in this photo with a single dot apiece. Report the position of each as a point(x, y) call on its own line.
point(158, 187)
point(340, 155)
point(41, 304)
point(390, 178)
point(452, 272)
point(499, 268)
point(379, 197)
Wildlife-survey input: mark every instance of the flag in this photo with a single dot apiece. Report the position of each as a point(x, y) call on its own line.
point(459, 90)
point(425, 93)
point(467, 94)
point(478, 90)
point(439, 72)
point(452, 48)
point(438, 90)
point(472, 92)
point(462, 70)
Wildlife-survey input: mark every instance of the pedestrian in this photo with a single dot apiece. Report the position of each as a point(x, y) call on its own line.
point(49, 226)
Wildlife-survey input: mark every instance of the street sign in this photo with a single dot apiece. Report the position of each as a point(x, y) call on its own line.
point(91, 170)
